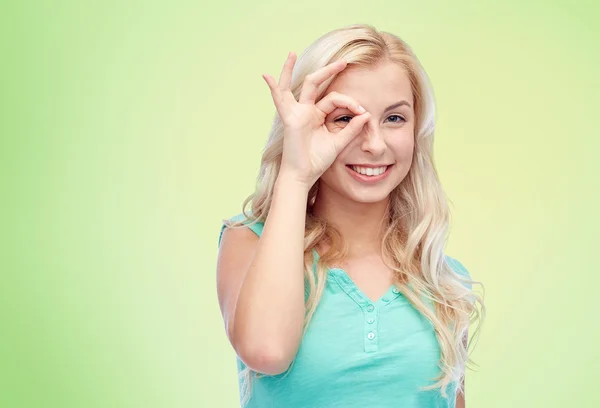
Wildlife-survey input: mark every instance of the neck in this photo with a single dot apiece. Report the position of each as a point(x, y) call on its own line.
point(360, 224)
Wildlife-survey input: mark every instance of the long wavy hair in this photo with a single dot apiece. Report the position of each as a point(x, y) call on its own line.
point(418, 213)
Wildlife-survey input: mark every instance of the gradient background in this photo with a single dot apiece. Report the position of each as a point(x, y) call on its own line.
point(130, 129)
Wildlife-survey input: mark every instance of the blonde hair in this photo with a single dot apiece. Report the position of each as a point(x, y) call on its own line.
point(418, 211)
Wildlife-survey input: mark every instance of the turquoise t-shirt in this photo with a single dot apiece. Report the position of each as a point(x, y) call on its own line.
point(357, 353)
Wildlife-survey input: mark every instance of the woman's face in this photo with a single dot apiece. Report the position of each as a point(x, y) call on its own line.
point(385, 143)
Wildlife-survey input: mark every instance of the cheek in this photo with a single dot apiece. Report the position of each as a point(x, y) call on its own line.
point(335, 173)
point(328, 175)
point(402, 147)
point(331, 126)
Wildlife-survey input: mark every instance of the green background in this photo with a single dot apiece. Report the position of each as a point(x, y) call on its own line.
point(130, 129)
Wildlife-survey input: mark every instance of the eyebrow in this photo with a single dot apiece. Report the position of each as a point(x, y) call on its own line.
point(397, 104)
point(389, 108)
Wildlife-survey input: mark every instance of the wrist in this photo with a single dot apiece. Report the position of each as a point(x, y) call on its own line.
point(291, 182)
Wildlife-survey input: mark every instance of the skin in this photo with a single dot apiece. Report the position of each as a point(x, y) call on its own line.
point(263, 308)
point(356, 208)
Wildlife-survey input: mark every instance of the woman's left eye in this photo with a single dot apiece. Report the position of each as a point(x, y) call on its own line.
point(400, 118)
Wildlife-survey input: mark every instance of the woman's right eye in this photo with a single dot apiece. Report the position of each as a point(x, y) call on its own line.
point(342, 119)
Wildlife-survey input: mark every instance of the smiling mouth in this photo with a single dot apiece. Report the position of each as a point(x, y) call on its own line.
point(369, 171)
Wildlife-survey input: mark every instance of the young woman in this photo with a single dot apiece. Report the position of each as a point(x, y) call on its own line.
point(334, 288)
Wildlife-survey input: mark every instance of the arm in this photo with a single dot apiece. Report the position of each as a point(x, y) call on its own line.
point(460, 398)
point(260, 283)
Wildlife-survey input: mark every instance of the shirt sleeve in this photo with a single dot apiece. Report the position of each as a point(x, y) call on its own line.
point(256, 227)
point(460, 269)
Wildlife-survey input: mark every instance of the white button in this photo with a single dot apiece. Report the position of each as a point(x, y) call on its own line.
point(370, 308)
point(371, 320)
point(385, 299)
point(371, 335)
point(396, 291)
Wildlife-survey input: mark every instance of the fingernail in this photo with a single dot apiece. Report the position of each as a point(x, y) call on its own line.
point(361, 109)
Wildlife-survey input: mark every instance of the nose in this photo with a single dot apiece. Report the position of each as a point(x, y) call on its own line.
point(372, 140)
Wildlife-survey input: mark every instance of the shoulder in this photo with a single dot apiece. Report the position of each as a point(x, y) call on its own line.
point(239, 219)
point(457, 266)
point(459, 269)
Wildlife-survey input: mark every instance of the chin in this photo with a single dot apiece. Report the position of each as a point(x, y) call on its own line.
point(367, 197)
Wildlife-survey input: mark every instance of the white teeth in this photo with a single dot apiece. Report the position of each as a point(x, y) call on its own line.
point(369, 171)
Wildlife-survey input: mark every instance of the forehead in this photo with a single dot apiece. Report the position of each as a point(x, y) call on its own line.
point(374, 87)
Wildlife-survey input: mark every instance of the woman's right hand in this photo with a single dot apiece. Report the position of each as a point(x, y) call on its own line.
point(308, 146)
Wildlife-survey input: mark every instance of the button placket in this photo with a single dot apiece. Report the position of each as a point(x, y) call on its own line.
point(371, 340)
point(390, 297)
point(371, 309)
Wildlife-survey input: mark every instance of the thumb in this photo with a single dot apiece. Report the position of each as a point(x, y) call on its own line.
point(345, 136)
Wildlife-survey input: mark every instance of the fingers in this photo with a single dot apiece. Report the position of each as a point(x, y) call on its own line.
point(334, 100)
point(270, 82)
point(350, 131)
point(285, 79)
point(275, 93)
point(278, 90)
point(312, 81)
